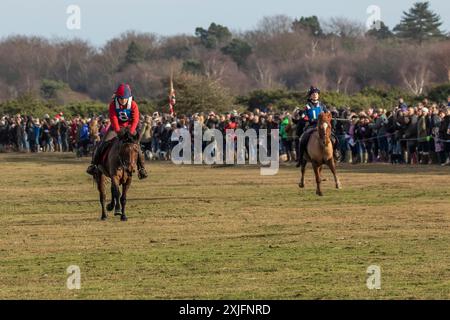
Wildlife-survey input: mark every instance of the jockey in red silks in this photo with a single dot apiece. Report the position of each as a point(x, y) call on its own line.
point(123, 113)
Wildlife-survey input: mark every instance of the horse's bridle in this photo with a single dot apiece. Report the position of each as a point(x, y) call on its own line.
point(122, 163)
point(323, 125)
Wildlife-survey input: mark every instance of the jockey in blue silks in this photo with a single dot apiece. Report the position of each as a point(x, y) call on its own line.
point(311, 115)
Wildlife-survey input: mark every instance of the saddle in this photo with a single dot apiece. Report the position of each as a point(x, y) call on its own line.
point(106, 149)
point(307, 134)
point(105, 154)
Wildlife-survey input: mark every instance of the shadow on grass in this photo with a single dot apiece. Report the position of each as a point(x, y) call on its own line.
point(60, 201)
point(43, 158)
point(384, 168)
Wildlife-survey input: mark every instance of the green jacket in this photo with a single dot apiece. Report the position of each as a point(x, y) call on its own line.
point(283, 125)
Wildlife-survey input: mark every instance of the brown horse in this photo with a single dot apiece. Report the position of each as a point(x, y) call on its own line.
point(119, 164)
point(319, 151)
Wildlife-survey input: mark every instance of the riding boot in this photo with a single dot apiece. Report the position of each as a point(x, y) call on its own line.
point(300, 157)
point(142, 173)
point(92, 169)
point(336, 152)
point(302, 146)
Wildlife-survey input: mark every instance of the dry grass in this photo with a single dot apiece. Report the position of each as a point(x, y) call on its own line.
point(219, 233)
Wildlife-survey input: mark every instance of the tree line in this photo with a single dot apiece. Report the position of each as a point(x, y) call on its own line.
point(281, 53)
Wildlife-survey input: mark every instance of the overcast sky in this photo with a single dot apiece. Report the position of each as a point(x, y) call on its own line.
point(102, 20)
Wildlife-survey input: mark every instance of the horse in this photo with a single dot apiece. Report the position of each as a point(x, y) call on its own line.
point(319, 151)
point(118, 163)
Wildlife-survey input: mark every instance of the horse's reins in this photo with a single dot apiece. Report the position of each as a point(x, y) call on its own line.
point(122, 163)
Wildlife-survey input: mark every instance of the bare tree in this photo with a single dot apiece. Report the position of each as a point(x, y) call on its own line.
point(344, 27)
point(441, 58)
point(415, 72)
point(275, 25)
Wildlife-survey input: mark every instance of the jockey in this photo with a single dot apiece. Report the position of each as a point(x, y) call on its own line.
point(123, 113)
point(311, 115)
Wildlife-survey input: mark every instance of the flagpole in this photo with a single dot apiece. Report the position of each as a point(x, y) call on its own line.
point(171, 93)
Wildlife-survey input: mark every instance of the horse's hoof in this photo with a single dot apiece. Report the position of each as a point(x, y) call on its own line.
point(110, 206)
point(123, 218)
point(104, 218)
point(338, 186)
point(142, 174)
point(301, 185)
point(319, 193)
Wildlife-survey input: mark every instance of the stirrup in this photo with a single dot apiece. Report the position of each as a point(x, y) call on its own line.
point(92, 170)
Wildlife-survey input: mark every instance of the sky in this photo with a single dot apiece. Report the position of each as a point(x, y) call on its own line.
point(101, 20)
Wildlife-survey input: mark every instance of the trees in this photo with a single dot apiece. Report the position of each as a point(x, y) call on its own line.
point(238, 50)
point(135, 53)
point(419, 23)
point(380, 33)
point(197, 93)
point(216, 35)
point(49, 88)
point(193, 66)
point(310, 25)
point(440, 93)
point(345, 28)
point(415, 71)
point(176, 47)
point(74, 57)
point(441, 61)
point(279, 53)
point(271, 26)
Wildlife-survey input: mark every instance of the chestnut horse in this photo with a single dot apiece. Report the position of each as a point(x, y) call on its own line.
point(119, 164)
point(319, 151)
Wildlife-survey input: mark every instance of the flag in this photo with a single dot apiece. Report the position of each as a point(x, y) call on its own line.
point(172, 98)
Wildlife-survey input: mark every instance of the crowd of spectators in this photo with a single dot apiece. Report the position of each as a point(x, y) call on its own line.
point(414, 134)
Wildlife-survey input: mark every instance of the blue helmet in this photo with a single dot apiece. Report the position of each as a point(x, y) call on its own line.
point(313, 90)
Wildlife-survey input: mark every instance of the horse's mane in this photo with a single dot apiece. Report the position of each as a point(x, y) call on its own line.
point(125, 136)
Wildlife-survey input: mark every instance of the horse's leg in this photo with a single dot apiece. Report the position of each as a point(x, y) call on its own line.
point(123, 198)
point(110, 206)
point(316, 169)
point(302, 179)
point(320, 174)
point(116, 195)
point(332, 164)
point(102, 192)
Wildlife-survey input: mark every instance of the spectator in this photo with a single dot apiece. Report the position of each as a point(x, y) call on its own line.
point(423, 128)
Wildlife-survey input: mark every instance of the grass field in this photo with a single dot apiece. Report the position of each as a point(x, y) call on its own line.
point(224, 233)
